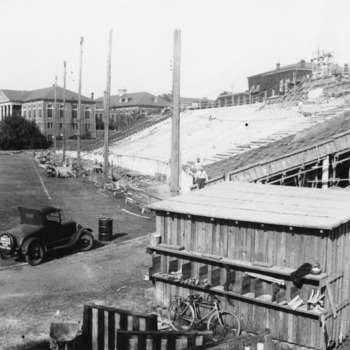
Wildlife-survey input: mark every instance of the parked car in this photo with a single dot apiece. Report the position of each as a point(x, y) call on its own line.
point(42, 230)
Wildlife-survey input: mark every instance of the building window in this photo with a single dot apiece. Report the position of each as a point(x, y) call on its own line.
point(281, 85)
point(87, 112)
point(61, 111)
point(29, 113)
point(88, 127)
point(75, 126)
point(49, 110)
point(287, 85)
point(61, 126)
point(49, 125)
point(74, 111)
point(100, 116)
point(39, 110)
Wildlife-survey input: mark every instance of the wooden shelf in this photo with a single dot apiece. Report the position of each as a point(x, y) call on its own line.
point(220, 290)
point(245, 265)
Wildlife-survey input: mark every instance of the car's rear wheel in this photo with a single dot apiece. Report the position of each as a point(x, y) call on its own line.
point(35, 254)
point(85, 242)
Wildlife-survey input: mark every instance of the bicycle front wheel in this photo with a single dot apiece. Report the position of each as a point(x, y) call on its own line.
point(224, 324)
point(181, 315)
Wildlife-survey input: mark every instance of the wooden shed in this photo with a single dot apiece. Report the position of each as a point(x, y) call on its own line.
point(242, 241)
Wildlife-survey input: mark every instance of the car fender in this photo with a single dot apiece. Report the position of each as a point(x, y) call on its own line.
point(27, 242)
point(84, 229)
point(78, 234)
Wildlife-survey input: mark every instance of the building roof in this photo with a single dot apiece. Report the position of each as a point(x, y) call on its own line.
point(307, 65)
point(307, 139)
point(49, 94)
point(15, 95)
point(43, 94)
point(137, 99)
point(266, 204)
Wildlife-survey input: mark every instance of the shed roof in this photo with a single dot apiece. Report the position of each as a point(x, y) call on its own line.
point(268, 204)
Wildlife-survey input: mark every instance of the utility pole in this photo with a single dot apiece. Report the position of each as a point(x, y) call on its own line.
point(175, 131)
point(55, 119)
point(106, 105)
point(64, 115)
point(79, 106)
point(233, 89)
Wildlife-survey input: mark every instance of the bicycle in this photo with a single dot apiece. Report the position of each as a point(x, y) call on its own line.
point(184, 314)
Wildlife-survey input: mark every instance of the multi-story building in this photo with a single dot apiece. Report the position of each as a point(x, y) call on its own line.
point(143, 103)
point(45, 107)
point(279, 80)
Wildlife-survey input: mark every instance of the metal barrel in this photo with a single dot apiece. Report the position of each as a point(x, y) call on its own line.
point(105, 229)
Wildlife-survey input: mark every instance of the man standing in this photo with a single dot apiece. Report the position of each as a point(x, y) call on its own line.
point(201, 177)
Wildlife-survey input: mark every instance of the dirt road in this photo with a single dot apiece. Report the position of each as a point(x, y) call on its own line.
point(111, 275)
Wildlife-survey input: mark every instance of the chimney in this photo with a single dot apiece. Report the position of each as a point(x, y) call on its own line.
point(92, 95)
point(121, 92)
point(278, 66)
point(302, 64)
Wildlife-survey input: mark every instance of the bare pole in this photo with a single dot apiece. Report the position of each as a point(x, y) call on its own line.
point(55, 119)
point(79, 106)
point(64, 115)
point(106, 105)
point(175, 131)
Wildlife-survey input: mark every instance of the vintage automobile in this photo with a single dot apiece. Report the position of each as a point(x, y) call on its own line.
point(42, 230)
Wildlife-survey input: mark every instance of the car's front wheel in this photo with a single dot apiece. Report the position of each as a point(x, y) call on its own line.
point(35, 253)
point(85, 242)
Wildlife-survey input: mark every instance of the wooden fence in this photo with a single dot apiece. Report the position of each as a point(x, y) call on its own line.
point(243, 342)
point(101, 323)
point(161, 340)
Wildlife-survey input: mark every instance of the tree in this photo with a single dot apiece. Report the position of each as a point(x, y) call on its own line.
point(17, 133)
point(166, 97)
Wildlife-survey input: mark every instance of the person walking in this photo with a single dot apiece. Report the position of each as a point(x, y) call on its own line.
point(201, 177)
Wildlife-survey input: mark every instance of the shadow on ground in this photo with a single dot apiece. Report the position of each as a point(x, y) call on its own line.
point(32, 345)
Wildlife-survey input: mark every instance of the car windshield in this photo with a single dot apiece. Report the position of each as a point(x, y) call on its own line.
point(54, 217)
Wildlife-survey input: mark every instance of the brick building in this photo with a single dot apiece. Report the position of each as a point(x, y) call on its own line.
point(39, 105)
point(279, 80)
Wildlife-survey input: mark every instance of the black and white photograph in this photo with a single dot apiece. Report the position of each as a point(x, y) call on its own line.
point(175, 175)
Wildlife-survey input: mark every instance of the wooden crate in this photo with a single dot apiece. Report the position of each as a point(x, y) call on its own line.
point(161, 340)
point(100, 324)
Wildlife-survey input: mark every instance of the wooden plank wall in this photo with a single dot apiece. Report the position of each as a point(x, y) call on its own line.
point(100, 324)
point(162, 340)
point(280, 246)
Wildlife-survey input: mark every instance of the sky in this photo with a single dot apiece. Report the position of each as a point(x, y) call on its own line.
point(222, 42)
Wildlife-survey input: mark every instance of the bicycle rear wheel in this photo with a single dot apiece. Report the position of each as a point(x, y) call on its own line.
point(224, 324)
point(181, 315)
